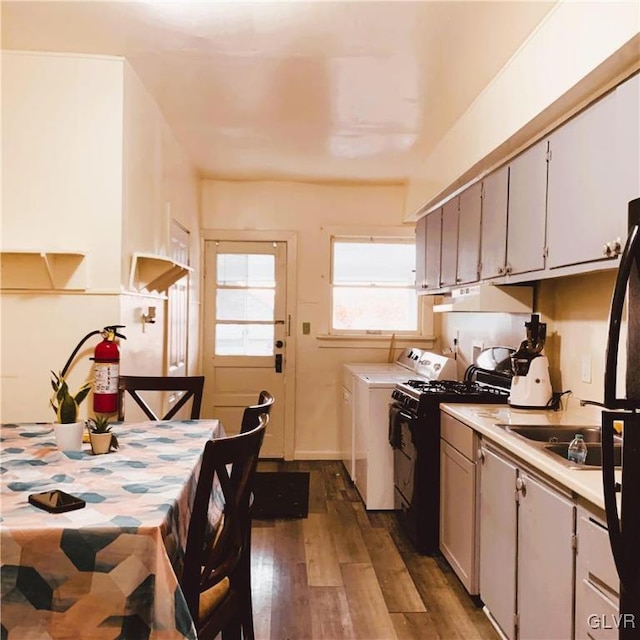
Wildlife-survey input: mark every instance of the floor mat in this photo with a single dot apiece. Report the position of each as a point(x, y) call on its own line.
point(281, 494)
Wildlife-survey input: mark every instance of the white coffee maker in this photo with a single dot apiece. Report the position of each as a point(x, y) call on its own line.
point(531, 385)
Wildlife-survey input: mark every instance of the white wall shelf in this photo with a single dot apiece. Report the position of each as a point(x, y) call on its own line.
point(32, 269)
point(151, 272)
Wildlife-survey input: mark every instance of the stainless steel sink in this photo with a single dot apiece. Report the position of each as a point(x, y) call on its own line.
point(594, 454)
point(556, 433)
point(554, 441)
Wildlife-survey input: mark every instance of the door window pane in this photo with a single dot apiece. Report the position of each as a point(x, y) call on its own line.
point(244, 339)
point(245, 304)
point(246, 270)
point(245, 296)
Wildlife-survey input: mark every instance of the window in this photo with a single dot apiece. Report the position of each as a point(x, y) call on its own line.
point(245, 304)
point(373, 285)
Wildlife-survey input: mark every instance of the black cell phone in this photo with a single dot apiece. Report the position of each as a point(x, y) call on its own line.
point(56, 501)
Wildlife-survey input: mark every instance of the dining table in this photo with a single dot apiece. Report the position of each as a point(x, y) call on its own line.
point(110, 570)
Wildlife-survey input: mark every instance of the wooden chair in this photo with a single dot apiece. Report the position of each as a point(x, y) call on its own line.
point(192, 386)
point(216, 579)
point(251, 414)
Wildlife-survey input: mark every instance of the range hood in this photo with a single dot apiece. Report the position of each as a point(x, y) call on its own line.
point(488, 298)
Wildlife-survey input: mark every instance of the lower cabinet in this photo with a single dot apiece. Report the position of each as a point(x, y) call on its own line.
point(538, 557)
point(458, 504)
point(498, 539)
point(545, 561)
point(526, 550)
point(597, 584)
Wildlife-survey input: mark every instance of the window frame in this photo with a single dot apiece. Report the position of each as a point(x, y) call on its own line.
point(372, 239)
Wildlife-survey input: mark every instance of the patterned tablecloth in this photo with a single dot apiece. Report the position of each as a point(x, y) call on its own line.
point(108, 570)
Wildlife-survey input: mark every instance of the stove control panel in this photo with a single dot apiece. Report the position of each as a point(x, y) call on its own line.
point(434, 366)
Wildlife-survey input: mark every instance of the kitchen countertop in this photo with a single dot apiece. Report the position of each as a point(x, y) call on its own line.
point(586, 483)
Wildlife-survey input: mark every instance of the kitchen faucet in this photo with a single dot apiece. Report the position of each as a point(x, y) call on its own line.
point(593, 402)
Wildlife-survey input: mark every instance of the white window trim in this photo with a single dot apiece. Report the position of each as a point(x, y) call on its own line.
point(425, 314)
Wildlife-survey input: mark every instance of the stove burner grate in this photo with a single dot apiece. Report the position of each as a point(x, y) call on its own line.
point(454, 387)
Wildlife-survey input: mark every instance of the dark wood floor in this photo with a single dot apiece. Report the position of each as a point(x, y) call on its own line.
point(344, 572)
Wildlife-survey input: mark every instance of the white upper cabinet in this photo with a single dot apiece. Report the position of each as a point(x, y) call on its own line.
point(593, 173)
point(449, 255)
point(527, 210)
point(495, 193)
point(470, 207)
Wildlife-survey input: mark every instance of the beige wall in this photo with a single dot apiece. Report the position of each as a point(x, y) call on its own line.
point(576, 310)
point(159, 184)
point(578, 50)
point(85, 153)
point(312, 212)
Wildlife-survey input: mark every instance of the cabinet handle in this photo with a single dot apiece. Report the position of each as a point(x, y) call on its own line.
point(521, 486)
point(508, 268)
point(501, 271)
point(480, 456)
point(606, 249)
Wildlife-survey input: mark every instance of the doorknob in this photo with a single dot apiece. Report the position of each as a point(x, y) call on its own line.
point(279, 344)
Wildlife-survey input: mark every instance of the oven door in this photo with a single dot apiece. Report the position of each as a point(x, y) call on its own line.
point(404, 454)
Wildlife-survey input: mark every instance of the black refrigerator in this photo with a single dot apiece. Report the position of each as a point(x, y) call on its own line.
point(624, 522)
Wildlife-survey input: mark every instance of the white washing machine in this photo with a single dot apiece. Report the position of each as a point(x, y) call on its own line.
point(372, 453)
point(406, 362)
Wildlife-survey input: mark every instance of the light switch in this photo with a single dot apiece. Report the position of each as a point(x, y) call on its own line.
point(306, 328)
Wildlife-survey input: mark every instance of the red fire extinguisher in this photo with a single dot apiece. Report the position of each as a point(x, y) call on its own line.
point(106, 371)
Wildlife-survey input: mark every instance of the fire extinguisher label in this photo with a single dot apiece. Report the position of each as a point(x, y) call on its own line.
point(106, 377)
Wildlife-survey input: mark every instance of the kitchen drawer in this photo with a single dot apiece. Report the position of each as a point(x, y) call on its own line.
point(459, 435)
point(594, 553)
point(596, 615)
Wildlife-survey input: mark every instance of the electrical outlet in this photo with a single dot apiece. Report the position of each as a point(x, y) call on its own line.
point(585, 369)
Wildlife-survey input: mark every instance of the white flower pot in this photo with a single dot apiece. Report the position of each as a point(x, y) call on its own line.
point(69, 436)
point(100, 442)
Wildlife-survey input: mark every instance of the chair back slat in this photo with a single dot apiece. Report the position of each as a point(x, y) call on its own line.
point(191, 386)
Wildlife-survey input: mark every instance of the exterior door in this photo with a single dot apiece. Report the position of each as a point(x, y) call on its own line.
point(246, 327)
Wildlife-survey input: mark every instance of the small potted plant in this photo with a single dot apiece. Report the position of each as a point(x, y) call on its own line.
point(100, 435)
point(68, 430)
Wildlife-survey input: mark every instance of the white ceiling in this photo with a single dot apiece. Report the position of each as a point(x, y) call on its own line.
point(327, 91)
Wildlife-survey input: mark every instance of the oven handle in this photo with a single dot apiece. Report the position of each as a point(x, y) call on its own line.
point(406, 416)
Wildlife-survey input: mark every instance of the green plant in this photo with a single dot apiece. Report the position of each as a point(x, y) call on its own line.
point(63, 402)
point(101, 424)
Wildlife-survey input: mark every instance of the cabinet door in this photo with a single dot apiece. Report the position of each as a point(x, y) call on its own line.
point(527, 210)
point(457, 514)
point(449, 255)
point(495, 193)
point(434, 248)
point(421, 254)
point(469, 234)
point(545, 562)
point(498, 536)
point(588, 190)
point(597, 582)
